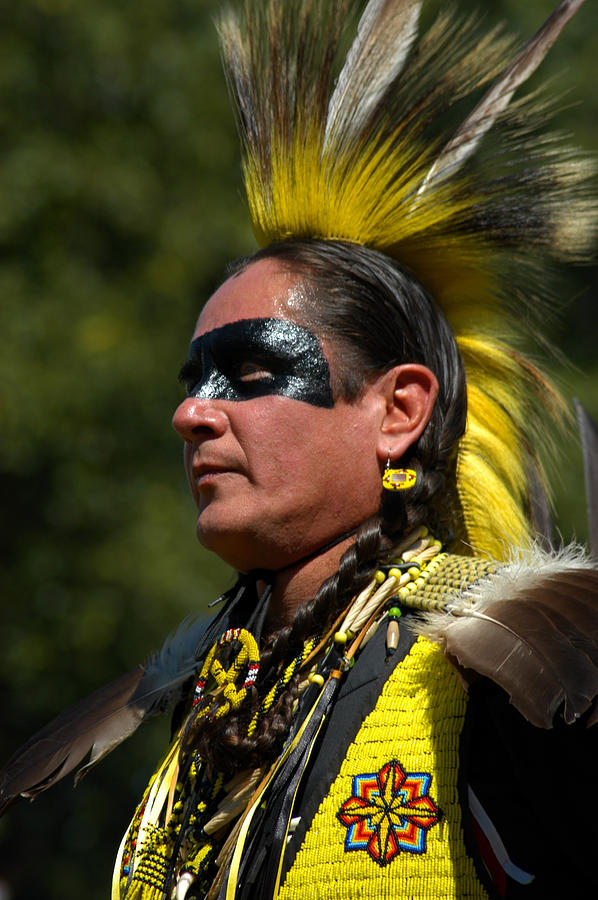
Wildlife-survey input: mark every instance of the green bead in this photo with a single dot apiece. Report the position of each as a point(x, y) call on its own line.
point(395, 612)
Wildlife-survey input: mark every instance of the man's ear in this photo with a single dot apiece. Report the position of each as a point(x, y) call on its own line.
point(410, 391)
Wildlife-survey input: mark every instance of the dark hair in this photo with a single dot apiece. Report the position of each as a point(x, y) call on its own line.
point(374, 315)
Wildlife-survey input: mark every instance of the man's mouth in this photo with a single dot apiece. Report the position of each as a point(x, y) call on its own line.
point(204, 473)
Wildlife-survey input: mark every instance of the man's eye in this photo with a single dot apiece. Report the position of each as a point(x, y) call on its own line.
point(251, 371)
point(189, 385)
point(189, 377)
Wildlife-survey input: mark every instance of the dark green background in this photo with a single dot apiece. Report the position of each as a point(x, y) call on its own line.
point(120, 202)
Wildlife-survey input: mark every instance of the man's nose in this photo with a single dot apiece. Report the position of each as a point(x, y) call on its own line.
point(198, 417)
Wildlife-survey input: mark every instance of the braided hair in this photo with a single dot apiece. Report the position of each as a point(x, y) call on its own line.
point(374, 315)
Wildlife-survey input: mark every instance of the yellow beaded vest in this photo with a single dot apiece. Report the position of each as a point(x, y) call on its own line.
point(390, 825)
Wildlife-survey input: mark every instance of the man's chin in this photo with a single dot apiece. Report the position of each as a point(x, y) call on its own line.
point(233, 548)
point(243, 548)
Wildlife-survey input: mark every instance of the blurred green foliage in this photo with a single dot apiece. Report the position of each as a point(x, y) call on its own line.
point(120, 204)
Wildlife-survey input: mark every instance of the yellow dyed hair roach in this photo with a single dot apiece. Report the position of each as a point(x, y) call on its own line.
point(348, 129)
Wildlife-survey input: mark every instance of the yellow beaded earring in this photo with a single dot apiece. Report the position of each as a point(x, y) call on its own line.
point(398, 479)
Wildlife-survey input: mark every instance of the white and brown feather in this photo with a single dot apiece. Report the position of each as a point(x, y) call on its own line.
point(532, 627)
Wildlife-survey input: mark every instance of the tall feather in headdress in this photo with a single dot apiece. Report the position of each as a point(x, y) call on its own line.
point(361, 145)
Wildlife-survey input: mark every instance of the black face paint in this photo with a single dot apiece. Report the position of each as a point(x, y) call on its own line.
point(256, 358)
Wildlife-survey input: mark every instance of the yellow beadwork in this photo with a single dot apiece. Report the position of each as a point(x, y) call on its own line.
point(418, 721)
point(398, 479)
point(224, 679)
point(148, 848)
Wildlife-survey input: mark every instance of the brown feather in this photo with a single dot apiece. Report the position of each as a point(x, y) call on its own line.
point(540, 644)
point(386, 33)
point(463, 144)
point(101, 721)
point(105, 716)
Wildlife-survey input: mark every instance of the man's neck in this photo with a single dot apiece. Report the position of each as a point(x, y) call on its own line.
point(300, 582)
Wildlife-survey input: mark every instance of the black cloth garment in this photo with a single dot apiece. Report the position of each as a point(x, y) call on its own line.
point(539, 788)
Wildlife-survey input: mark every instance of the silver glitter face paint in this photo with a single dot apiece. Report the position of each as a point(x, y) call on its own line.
point(257, 358)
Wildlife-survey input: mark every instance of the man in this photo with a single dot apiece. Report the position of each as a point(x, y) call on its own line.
point(338, 764)
point(361, 441)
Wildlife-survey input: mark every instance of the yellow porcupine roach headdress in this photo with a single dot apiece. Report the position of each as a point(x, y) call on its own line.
point(360, 144)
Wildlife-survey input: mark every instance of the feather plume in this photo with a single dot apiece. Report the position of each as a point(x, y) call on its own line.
point(362, 146)
point(100, 722)
point(461, 147)
point(532, 627)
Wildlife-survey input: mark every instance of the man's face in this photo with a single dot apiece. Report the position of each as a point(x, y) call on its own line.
point(276, 465)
